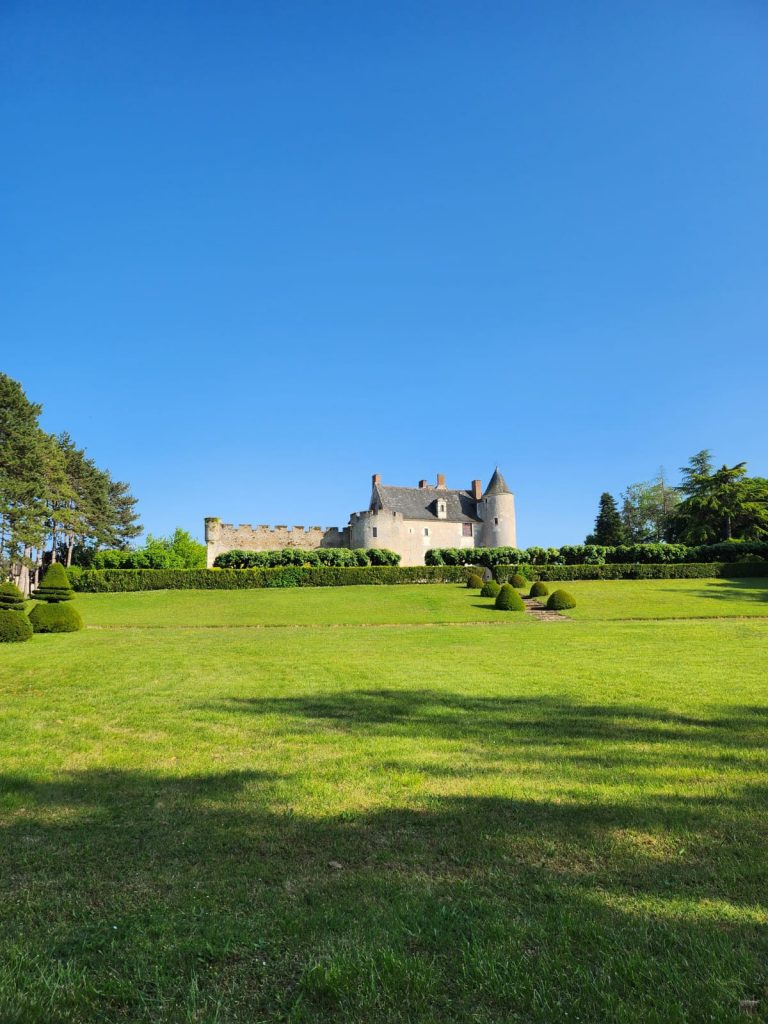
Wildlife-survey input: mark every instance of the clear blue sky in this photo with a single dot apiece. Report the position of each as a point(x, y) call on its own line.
point(253, 252)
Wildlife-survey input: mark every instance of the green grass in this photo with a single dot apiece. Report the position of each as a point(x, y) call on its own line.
point(438, 603)
point(529, 822)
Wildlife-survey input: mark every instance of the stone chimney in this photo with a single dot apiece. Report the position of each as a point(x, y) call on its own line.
point(423, 484)
point(376, 479)
point(477, 489)
point(441, 480)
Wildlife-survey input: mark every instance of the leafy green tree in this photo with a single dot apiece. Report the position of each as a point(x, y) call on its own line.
point(609, 528)
point(24, 460)
point(52, 496)
point(647, 510)
point(720, 505)
point(124, 525)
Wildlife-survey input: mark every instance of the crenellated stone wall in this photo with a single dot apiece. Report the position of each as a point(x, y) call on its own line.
point(221, 537)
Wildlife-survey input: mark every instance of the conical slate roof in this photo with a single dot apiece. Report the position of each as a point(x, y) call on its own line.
point(496, 485)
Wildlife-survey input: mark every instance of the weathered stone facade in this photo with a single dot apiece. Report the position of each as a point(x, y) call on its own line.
point(408, 520)
point(221, 537)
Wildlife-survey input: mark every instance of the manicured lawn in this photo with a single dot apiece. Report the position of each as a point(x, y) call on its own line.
point(536, 822)
point(622, 599)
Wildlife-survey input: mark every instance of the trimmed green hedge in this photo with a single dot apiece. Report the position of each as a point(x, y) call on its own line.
point(634, 571)
point(15, 627)
point(508, 600)
point(301, 556)
point(102, 581)
point(55, 618)
point(597, 554)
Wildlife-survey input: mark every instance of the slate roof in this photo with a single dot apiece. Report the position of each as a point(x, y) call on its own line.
point(497, 484)
point(421, 503)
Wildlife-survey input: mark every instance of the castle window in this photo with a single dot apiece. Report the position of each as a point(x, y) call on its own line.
point(426, 531)
point(375, 531)
point(466, 529)
point(495, 520)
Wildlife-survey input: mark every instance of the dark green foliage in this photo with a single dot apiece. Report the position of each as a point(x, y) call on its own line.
point(300, 556)
point(11, 598)
point(102, 581)
point(596, 554)
point(94, 581)
point(638, 571)
point(559, 600)
point(14, 627)
point(55, 618)
point(490, 589)
point(55, 585)
point(609, 528)
point(720, 505)
point(508, 599)
point(539, 589)
point(518, 580)
point(474, 582)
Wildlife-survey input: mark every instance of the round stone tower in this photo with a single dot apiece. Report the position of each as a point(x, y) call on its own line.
point(496, 508)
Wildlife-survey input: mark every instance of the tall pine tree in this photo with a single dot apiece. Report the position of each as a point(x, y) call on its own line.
point(609, 528)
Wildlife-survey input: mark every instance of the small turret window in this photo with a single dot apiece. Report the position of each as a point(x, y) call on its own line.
point(375, 531)
point(495, 520)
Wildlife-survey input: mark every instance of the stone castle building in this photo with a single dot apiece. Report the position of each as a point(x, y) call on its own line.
point(408, 520)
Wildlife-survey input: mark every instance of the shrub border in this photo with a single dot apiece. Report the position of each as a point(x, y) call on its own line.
point(106, 581)
point(632, 571)
point(101, 581)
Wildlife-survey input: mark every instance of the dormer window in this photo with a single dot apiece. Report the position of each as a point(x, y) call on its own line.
point(442, 508)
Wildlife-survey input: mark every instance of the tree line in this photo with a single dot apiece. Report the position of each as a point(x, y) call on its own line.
point(708, 506)
point(54, 499)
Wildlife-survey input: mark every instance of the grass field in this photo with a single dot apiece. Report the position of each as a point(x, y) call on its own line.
point(463, 817)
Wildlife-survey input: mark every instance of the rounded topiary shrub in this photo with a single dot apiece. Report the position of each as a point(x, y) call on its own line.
point(490, 589)
point(508, 599)
point(539, 589)
point(11, 598)
point(474, 582)
point(518, 581)
point(561, 599)
point(14, 627)
point(55, 618)
point(55, 585)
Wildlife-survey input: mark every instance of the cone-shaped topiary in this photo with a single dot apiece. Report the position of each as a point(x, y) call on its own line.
point(55, 618)
point(474, 582)
point(55, 585)
point(490, 589)
point(14, 627)
point(539, 589)
point(561, 599)
point(11, 598)
point(518, 581)
point(508, 599)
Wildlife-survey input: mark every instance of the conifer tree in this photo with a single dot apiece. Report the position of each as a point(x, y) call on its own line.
point(609, 528)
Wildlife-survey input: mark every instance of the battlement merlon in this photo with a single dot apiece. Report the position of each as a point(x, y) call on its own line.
point(221, 537)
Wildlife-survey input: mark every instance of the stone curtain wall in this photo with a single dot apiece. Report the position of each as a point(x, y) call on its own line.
point(221, 537)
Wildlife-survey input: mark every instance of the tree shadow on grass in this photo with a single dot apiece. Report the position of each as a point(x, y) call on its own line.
point(141, 896)
point(735, 590)
point(436, 714)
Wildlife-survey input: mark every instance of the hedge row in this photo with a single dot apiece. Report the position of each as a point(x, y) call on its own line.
point(596, 554)
point(94, 581)
point(632, 571)
point(302, 556)
point(102, 581)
